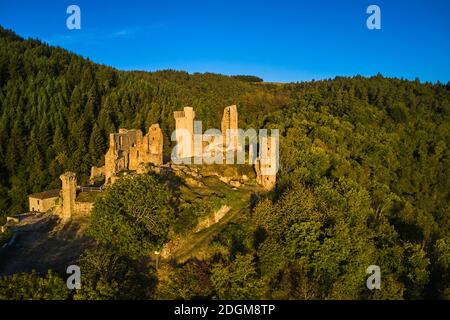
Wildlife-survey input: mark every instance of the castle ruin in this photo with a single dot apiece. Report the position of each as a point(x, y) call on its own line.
point(131, 150)
point(184, 132)
point(128, 149)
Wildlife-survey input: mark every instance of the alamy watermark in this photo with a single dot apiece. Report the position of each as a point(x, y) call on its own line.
point(74, 20)
point(374, 280)
point(374, 20)
point(74, 280)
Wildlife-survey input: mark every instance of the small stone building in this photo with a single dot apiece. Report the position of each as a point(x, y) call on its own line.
point(43, 201)
point(71, 200)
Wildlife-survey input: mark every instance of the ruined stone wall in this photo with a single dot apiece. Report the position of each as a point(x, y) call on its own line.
point(118, 157)
point(149, 149)
point(96, 172)
point(213, 218)
point(128, 149)
point(154, 143)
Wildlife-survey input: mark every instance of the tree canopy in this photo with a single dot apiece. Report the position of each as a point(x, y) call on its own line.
point(133, 216)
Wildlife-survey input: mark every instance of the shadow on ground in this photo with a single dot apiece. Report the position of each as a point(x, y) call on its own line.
point(44, 243)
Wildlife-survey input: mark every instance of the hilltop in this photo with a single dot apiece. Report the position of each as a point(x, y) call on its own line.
point(363, 180)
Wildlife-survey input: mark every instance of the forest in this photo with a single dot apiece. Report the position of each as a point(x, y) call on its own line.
point(364, 179)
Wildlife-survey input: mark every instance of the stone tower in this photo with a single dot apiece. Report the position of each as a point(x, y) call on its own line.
point(266, 163)
point(229, 128)
point(184, 132)
point(68, 194)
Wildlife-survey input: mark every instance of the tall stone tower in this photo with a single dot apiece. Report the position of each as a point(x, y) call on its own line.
point(229, 128)
point(68, 194)
point(110, 158)
point(266, 163)
point(184, 126)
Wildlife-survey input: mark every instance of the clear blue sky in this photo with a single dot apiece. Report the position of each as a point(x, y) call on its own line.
point(278, 40)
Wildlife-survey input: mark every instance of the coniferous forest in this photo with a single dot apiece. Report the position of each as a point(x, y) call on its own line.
point(364, 178)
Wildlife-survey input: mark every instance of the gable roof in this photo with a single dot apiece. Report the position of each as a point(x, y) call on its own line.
point(46, 194)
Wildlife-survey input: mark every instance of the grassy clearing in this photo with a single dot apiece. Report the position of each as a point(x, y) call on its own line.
point(195, 244)
point(88, 196)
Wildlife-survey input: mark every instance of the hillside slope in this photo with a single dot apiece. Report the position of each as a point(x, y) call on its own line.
point(364, 176)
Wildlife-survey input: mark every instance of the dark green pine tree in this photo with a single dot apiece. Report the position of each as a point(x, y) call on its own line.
point(16, 147)
point(37, 172)
point(97, 146)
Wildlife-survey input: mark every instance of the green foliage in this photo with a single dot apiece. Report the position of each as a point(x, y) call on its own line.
point(416, 270)
point(189, 281)
point(232, 240)
point(108, 276)
point(238, 280)
point(97, 146)
point(31, 286)
point(189, 214)
point(133, 216)
point(441, 274)
point(248, 78)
